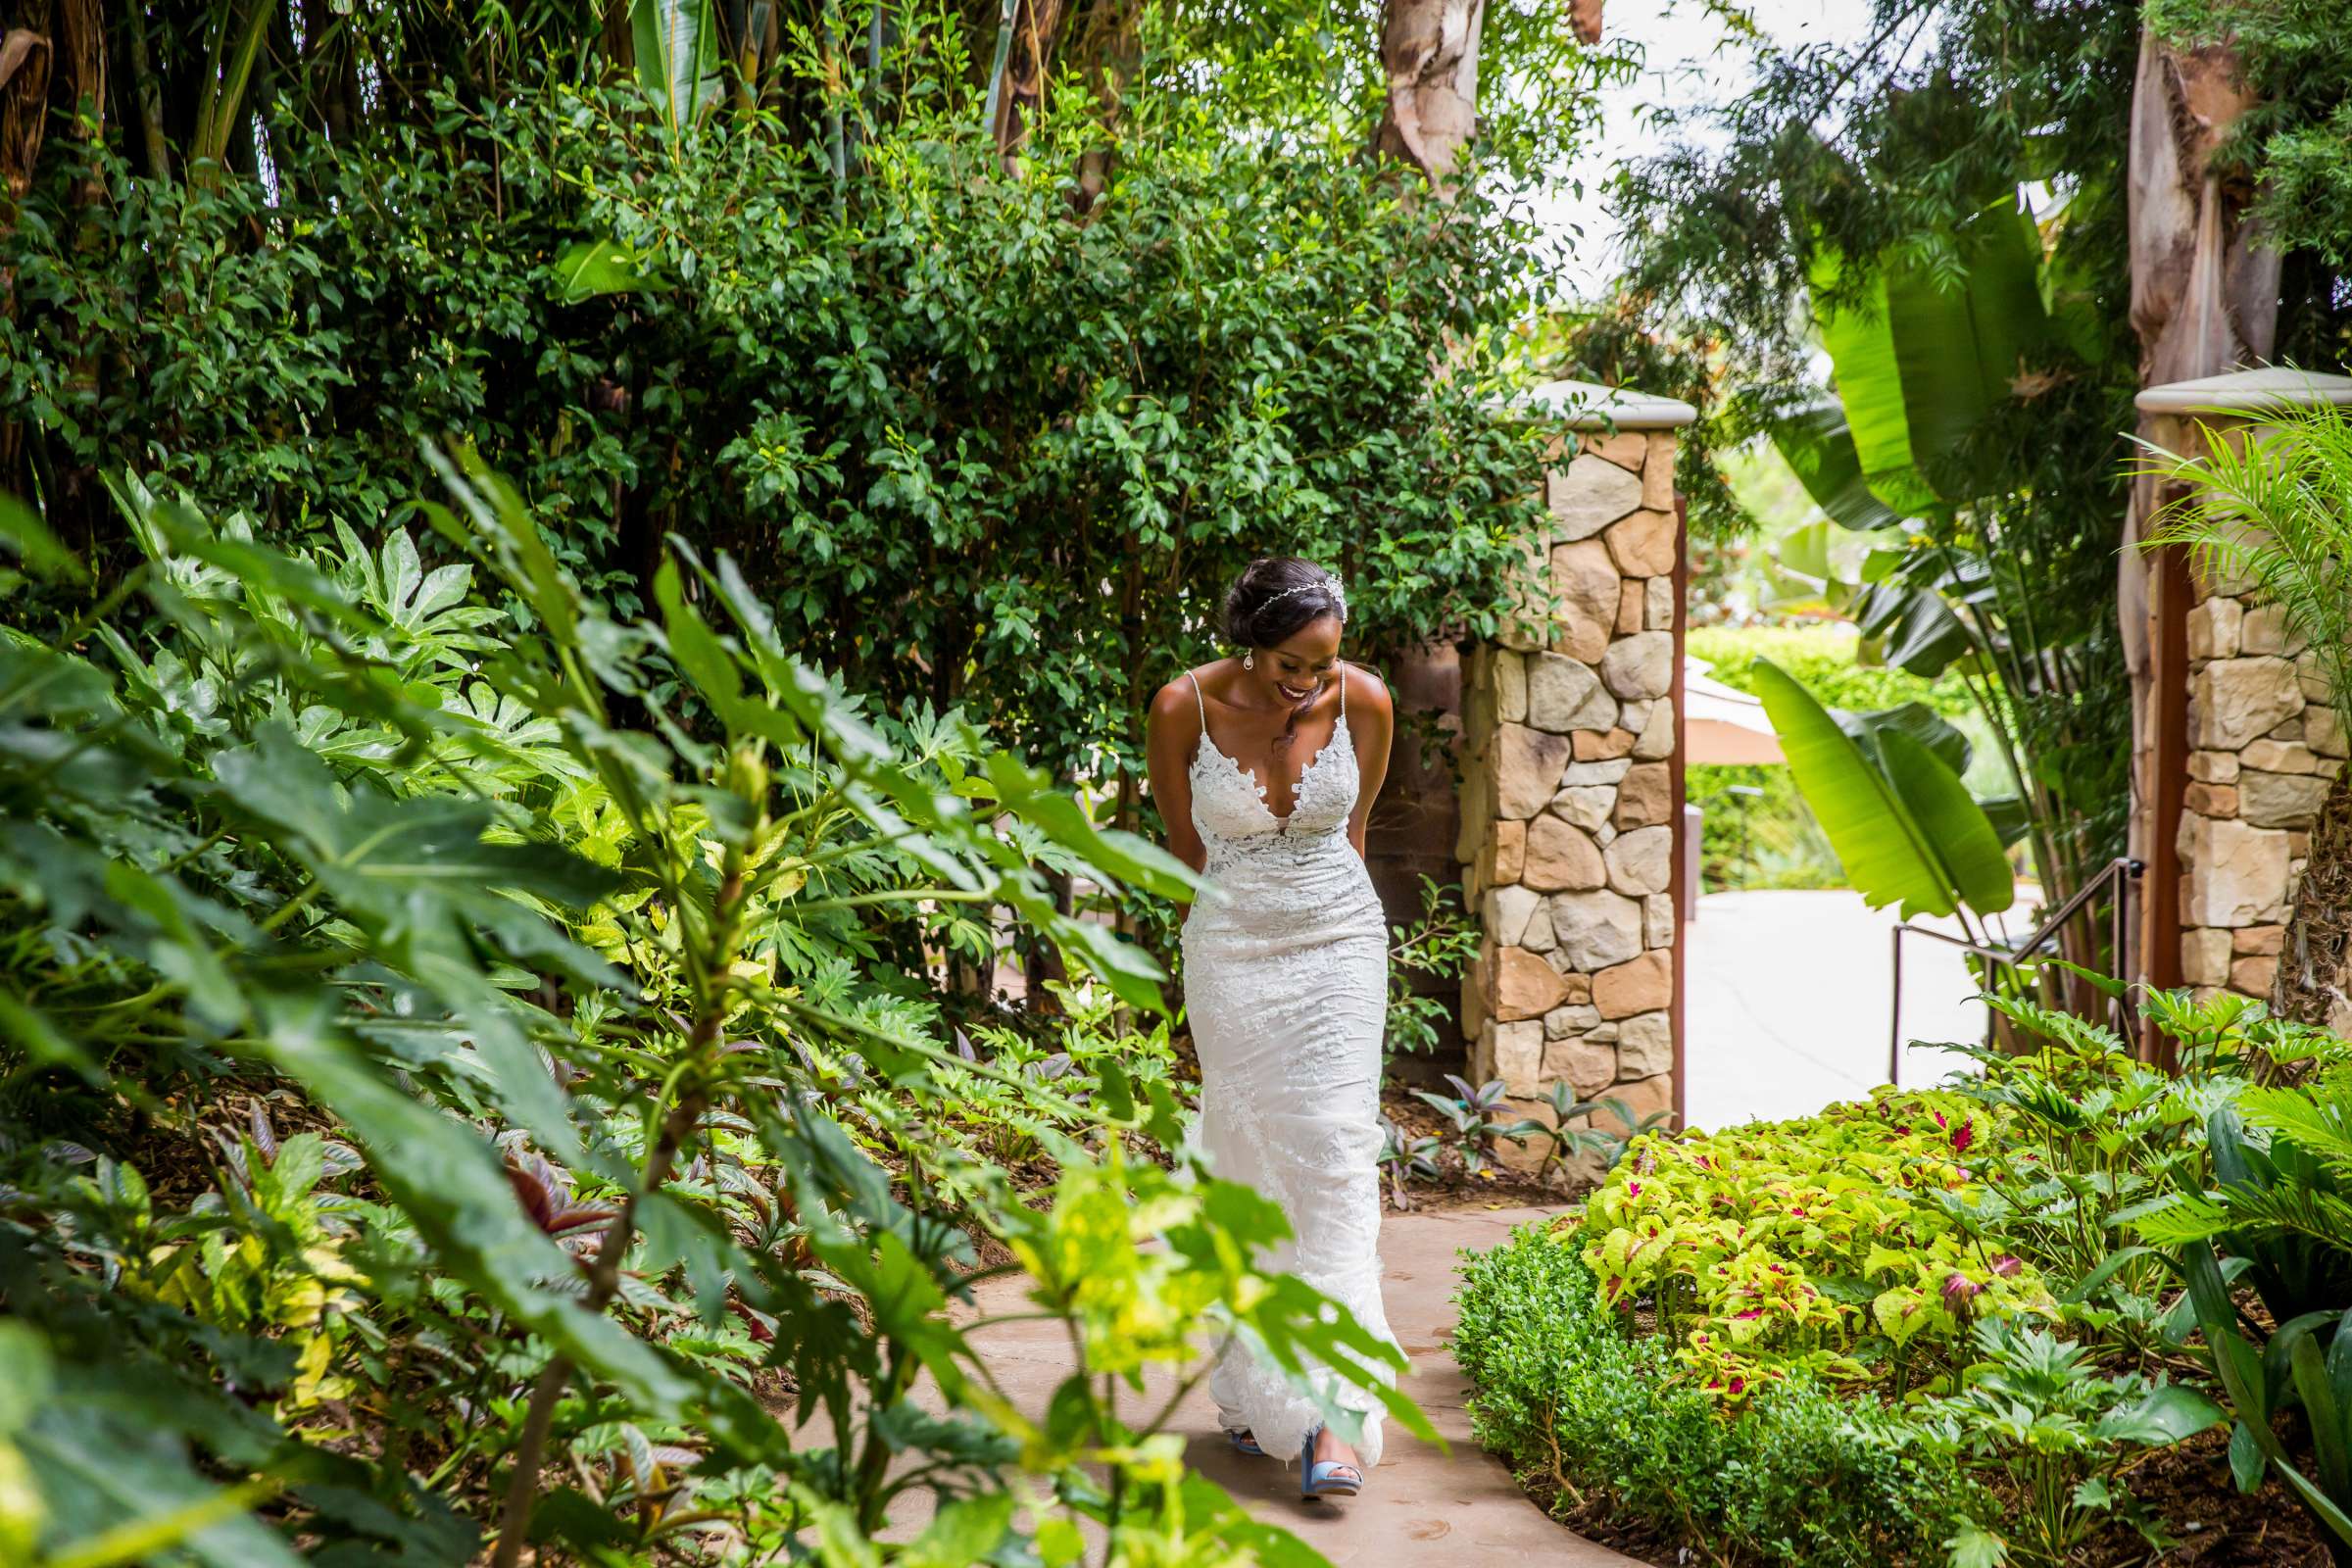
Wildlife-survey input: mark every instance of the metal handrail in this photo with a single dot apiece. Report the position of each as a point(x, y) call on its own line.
point(2112, 876)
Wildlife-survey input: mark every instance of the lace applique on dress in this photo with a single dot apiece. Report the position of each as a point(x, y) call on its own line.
point(1286, 987)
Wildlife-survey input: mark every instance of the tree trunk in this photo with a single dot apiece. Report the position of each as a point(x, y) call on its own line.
point(2314, 984)
point(24, 63)
point(147, 93)
point(25, 57)
point(2204, 300)
point(1021, 94)
point(1429, 49)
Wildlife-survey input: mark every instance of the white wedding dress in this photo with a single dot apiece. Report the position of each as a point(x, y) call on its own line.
point(1286, 984)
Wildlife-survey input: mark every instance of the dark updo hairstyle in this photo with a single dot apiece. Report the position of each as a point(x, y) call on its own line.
point(1274, 597)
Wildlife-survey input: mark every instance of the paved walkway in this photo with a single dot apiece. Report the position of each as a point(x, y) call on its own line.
point(1789, 998)
point(1423, 1508)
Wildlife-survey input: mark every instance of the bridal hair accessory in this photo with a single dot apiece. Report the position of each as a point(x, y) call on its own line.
point(1328, 583)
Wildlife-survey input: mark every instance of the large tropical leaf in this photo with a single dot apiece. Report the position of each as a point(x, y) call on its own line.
point(1917, 720)
point(1960, 837)
point(1866, 823)
point(1922, 355)
point(1913, 626)
point(1903, 825)
point(1819, 446)
point(677, 58)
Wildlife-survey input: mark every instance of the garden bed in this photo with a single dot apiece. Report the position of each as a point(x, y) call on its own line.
point(1949, 1326)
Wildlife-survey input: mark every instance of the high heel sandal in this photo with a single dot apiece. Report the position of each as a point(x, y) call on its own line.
point(1326, 1478)
point(1243, 1442)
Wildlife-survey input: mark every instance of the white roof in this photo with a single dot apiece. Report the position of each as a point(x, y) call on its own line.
point(1722, 723)
point(1589, 406)
point(2273, 386)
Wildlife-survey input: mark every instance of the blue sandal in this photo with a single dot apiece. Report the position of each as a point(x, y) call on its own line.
point(1243, 1442)
point(1326, 1478)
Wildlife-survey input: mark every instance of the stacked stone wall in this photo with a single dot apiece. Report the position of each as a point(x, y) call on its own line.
point(2265, 745)
point(1568, 801)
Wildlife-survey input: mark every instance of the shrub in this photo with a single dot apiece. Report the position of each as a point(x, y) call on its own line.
point(1792, 1477)
point(1828, 661)
point(1826, 1245)
point(1770, 839)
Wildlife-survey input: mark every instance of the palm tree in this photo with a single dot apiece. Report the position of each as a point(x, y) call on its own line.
point(2272, 505)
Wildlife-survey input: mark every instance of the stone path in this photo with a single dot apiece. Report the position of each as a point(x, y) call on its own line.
point(1423, 1507)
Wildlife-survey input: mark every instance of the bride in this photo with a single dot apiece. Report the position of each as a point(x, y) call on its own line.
point(1265, 766)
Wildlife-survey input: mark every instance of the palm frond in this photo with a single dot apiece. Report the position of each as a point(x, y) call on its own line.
point(2272, 505)
point(2316, 1116)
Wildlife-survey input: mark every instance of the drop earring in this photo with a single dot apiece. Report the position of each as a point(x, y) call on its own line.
point(1250, 659)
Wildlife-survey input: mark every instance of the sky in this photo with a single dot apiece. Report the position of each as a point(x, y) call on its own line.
point(1683, 63)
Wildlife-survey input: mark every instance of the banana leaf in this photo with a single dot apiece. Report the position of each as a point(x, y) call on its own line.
point(1903, 825)
point(1913, 627)
point(1960, 837)
point(677, 58)
point(1819, 446)
point(1917, 720)
point(1923, 356)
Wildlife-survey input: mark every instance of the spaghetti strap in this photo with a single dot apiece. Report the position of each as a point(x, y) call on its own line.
point(1198, 703)
point(1343, 689)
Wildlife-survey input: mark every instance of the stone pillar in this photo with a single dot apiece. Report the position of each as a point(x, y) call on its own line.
point(2266, 746)
point(1568, 800)
point(2263, 742)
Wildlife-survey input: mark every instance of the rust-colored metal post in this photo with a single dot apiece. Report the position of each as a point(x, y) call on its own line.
point(2170, 599)
point(1679, 792)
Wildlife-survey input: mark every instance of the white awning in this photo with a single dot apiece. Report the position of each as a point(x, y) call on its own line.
point(1723, 725)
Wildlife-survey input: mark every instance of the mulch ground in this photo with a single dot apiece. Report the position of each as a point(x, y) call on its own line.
point(1495, 1187)
point(2189, 1488)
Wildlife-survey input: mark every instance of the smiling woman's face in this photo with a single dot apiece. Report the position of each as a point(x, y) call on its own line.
point(1294, 671)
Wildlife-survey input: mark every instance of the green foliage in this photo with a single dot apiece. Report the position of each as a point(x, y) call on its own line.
point(1922, 349)
point(2293, 143)
point(1797, 1475)
point(1609, 1145)
point(1480, 1114)
point(1948, 1271)
point(1773, 839)
point(1843, 178)
point(1439, 945)
point(2275, 508)
point(2264, 1375)
point(624, 1153)
point(1756, 831)
point(1886, 789)
point(916, 393)
point(2040, 1415)
point(1618, 343)
point(1826, 1246)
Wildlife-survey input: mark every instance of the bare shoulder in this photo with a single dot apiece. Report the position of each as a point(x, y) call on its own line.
point(1175, 702)
point(1366, 690)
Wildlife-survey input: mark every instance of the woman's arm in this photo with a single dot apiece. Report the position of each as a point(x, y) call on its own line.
point(1372, 722)
point(1170, 730)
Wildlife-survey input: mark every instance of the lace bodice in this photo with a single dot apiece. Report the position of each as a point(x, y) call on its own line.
point(1230, 808)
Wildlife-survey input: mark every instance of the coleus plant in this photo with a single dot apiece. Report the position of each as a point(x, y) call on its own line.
point(1831, 1244)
